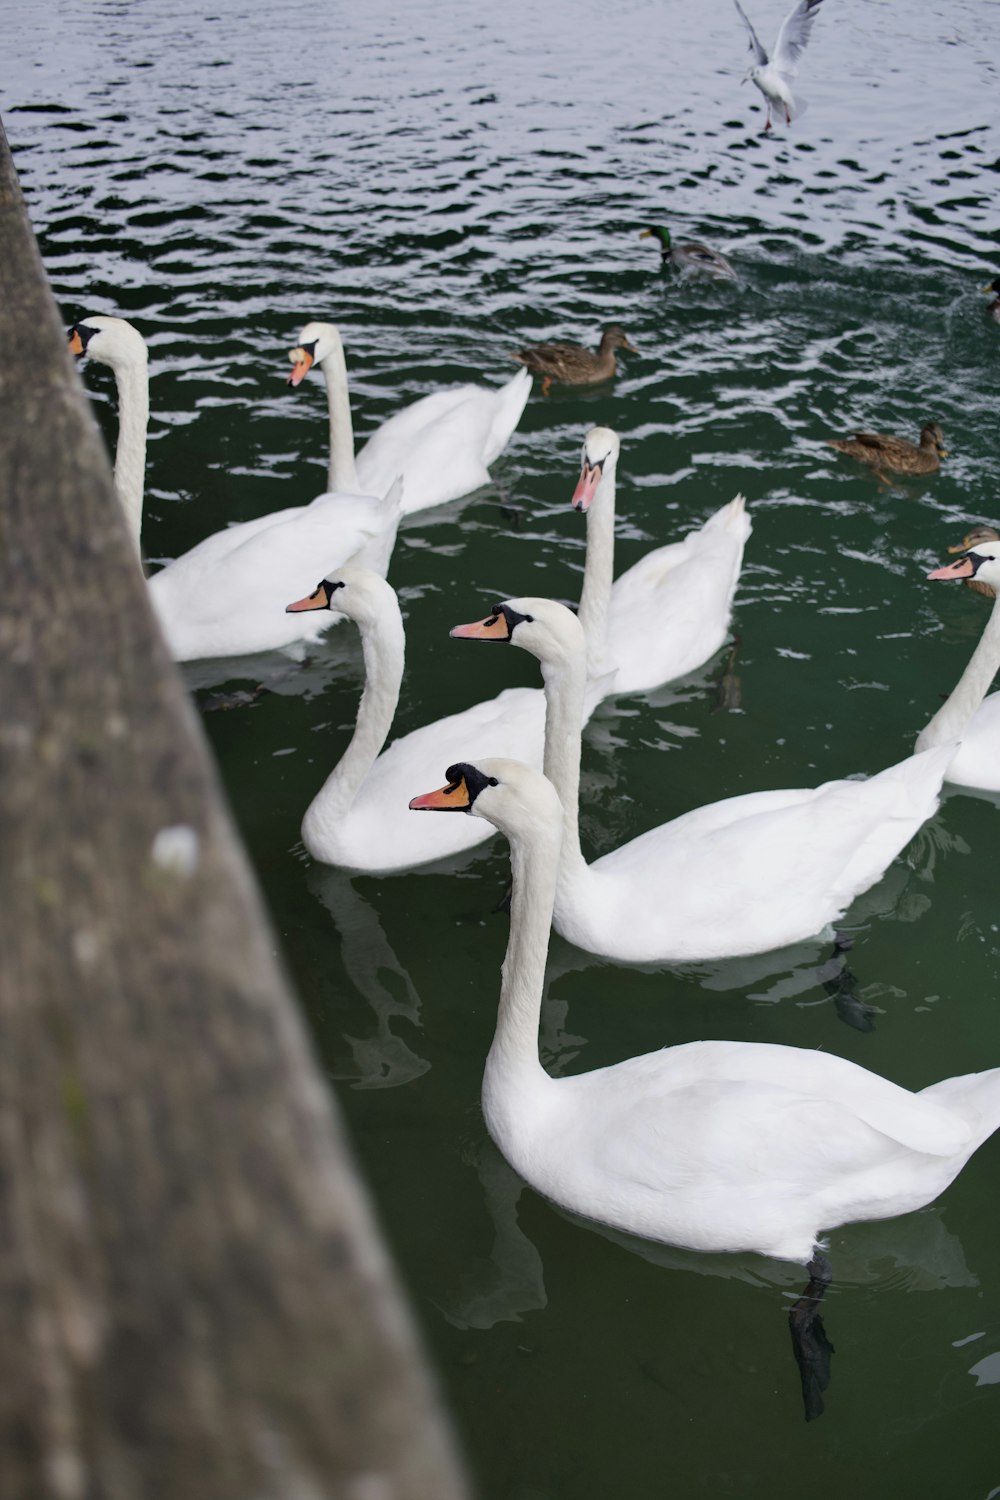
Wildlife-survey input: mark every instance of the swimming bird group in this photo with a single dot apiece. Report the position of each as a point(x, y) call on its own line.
point(711, 1146)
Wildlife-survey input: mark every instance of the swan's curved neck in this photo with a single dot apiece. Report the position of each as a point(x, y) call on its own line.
point(970, 690)
point(343, 476)
point(514, 1073)
point(598, 571)
point(565, 685)
point(383, 645)
point(132, 380)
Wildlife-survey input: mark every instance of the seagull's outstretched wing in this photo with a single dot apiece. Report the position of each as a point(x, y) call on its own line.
point(793, 36)
point(760, 56)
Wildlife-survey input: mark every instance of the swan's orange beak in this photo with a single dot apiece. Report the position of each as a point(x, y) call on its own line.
point(586, 489)
point(318, 600)
point(451, 798)
point(964, 568)
point(495, 628)
point(302, 363)
point(75, 342)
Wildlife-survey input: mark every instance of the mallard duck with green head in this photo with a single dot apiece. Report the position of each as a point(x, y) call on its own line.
point(690, 255)
point(568, 364)
point(994, 307)
point(896, 455)
point(972, 539)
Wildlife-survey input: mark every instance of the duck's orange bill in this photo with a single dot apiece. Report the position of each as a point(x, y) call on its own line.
point(492, 629)
point(451, 798)
point(318, 600)
point(302, 362)
point(585, 491)
point(75, 342)
point(964, 568)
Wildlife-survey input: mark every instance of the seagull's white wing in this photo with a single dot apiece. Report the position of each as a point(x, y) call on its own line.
point(760, 56)
point(793, 36)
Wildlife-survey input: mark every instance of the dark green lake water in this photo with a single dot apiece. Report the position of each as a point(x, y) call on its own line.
point(445, 183)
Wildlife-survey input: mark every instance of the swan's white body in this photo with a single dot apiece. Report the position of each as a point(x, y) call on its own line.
point(670, 612)
point(359, 819)
point(773, 76)
point(716, 1146)
point(966, 715)
point(227, 595)
point(441, 446)
point(740, 876)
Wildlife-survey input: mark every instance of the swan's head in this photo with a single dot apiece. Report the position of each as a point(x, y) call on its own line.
point(601, 447)
point(548, 630)
point(981, 562)
point(353, 591)
point(512, 796)
point(113, 341)
point(992, 286)
point(931, 436)
point(316, 342)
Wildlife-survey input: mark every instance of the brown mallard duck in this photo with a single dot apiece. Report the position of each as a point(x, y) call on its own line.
point(897, 455)
point(690, 255)
point(971, 539)
point(994, 307)
point(568, 364)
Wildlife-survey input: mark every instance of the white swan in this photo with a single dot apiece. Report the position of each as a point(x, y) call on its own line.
point(714, 1146)
point(740, 876)
point(670, 612)
point(966, 715)
point(227, 595)
point(442, 445)
point(358, 819)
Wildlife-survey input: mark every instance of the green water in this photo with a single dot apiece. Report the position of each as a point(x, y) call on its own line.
point(445, 186)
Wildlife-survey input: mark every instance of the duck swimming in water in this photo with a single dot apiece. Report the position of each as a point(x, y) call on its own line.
point(568, 364)
point(690, 256)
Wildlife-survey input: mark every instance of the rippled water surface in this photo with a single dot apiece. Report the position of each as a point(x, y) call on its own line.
point(445, 183)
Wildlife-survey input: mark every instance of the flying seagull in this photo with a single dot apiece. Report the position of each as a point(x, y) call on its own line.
point(773, 78)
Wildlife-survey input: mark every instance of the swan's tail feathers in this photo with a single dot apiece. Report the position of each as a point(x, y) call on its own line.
point(511, 400)
point(732, 517)
point(899, 800)
point(392, 500)
point(919, 777)
point(972, 1097)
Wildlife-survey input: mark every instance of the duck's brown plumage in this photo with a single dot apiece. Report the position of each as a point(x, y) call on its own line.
point(971, 539)
point(898, 455)
point(570, 365)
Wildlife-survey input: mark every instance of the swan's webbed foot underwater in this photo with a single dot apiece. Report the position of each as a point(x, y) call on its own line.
point(840, 982)
point(810, 1345)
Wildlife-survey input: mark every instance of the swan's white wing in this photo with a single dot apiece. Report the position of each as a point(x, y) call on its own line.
point(379, 832)
point(752, 872)
point(793, 36)
point(230, 601)
point(443, 443)
point(760, 56)
point(670, 611)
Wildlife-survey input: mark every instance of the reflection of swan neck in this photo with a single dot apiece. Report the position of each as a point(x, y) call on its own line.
point(343, 475)
point(565, 684)
point(514, 1075)
point(598, 572)
point(951, 719)
point(132, 380)
point(383, 645)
